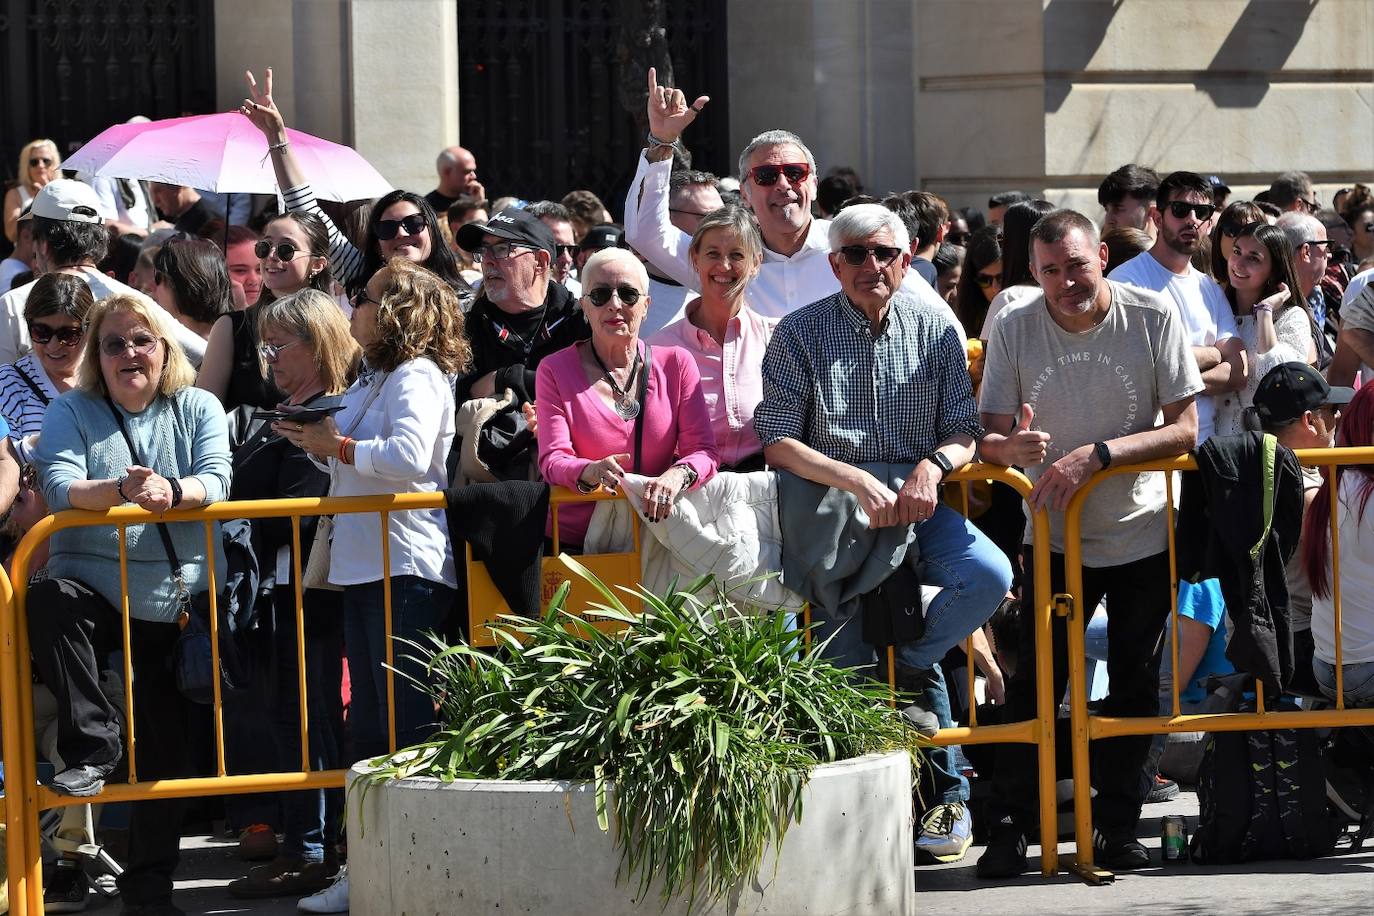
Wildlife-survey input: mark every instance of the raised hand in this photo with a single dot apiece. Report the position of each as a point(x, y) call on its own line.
point(261, 110)
point(1269, 303)
point(669, 113)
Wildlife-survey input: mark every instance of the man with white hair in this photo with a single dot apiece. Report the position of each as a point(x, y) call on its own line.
point(1311, 253)
point(777, 175)
point(457, 170)
point(888, 429)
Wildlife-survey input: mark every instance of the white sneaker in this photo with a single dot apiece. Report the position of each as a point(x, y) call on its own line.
point(333, 899)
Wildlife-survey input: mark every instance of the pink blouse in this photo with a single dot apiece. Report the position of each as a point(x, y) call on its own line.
point(731, 376)
point(576, 427)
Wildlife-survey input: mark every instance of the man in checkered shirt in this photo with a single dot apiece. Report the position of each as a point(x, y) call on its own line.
point(871, 375)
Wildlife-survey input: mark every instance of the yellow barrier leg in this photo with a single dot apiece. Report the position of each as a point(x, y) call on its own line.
point(1045, 701)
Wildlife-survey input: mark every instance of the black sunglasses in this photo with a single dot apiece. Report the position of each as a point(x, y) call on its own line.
point(856, 255)
point(39, 160)
point(766, 175)
point(69, 336)
point(569, 250)
point(386, 229)
point(1181, 208)
point(987, 280)
point(602, 294)
point(285, 250)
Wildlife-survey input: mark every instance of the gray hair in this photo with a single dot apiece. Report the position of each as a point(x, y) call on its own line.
point(855, 224)
point(607, 256)
point(549, 209)
point(774, 138)
point(1299, 228)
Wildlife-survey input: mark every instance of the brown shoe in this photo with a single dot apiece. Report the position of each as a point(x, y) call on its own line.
point(257, 843)
point(283, 877)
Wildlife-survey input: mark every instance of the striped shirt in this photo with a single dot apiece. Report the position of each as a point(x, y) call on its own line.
point(344, 259)
point(856, 397)
point(21, 405)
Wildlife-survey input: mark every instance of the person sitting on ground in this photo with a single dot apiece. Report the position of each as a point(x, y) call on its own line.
point(822, 425)
point(726, 337)
point(310, 356)
point(1271, 317)
point(192, 283)
point(401, 224)
point(611, 405)
point(1295, 404)
point(134, 431)
point(1353, 485)
point(56, 312)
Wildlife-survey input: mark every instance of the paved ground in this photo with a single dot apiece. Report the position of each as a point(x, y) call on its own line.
point(1334, 886)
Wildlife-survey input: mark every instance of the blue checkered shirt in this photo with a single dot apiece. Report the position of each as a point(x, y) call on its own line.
point(833, 385)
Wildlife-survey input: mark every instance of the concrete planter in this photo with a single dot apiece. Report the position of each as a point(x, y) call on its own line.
point(418, 847)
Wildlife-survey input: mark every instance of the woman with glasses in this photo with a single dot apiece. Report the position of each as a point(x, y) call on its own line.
point(134, 431)
point(392, 435)
point(311, 358)
point(56, 315)
point(1234, 218)
point(612, 405)
point(724, 335)
point(1271, 316)
point(1017, 282)
point(294, 252)
point(981, 279)
point(39, 163)
point(401, 224)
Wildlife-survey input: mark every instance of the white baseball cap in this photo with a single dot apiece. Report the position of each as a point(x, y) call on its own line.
point(67, 200)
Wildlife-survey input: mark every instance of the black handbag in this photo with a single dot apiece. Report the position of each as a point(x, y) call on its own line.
point(193, 657)
point(892, 612)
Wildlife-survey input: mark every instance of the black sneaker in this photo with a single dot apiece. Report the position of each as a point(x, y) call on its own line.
point(1119, 850)
point(1005, 856)
point(84, 780)
point(65, 887)
point(1162, 789)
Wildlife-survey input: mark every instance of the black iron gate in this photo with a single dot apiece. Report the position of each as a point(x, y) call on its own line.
point(71, 68)
point(542, 90)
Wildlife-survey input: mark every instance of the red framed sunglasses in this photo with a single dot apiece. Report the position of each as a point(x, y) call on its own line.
point(767, 175)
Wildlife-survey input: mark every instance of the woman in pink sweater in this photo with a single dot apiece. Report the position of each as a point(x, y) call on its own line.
point(605, 410)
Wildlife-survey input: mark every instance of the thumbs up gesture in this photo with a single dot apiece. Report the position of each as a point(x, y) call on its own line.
point(1022, 446)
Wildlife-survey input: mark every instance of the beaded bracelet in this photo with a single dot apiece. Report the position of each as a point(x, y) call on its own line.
point(343, 450)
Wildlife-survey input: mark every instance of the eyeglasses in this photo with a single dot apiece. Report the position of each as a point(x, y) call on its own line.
point(569, 250)
point(141, 344)
point(361, 298)
point(270, 352)
point(1324, 244)
point(1341, 255)
point(767, 175)
point(987, 280)
point(36, 161)
point(1181, 208)
point(1312, 205)
point(285, 250)
point(625, 293)
point(697, 213)
point(501, 251)
point(856, 255)
point(69, 336)
point(386, 229)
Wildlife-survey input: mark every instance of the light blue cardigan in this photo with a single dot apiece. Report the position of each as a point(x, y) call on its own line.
point(184, 435)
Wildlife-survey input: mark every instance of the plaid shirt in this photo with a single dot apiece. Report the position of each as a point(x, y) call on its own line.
point(854, 397)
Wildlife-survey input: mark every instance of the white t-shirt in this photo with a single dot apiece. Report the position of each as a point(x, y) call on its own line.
point(14, 330)
point(1357, 584)
point(1356, 286)
point(9, 269)
point(1207, 316)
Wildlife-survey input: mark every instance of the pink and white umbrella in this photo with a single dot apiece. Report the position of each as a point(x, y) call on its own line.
point(224, 153)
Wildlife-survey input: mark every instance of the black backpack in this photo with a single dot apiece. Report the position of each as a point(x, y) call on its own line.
point(1262, 794)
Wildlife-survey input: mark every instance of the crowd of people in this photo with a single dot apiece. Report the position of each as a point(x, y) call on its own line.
point(160, 350)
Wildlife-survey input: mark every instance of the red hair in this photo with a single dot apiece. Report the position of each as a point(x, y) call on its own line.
point(1357, 431)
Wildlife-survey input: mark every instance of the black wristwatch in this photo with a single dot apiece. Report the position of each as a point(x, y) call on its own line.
point(940, 461)
point(1104, 454)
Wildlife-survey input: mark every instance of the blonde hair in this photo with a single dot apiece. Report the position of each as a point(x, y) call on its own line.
point(315, 318)
point(741, 222)
point(419, 315)
point(607, 256)
point(177, 372)
point(28, 151)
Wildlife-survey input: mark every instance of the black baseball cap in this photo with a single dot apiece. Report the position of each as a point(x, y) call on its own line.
point(1289, 390)
point(510, 224)
point(1219, 186)
point(602, 235)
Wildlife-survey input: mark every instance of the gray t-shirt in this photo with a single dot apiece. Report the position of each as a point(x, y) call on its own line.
point(1101, 384)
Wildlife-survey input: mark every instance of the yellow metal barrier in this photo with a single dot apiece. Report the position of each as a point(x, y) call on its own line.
point(1085, 728)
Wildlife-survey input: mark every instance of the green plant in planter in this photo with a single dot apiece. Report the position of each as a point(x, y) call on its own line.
point(707, 718)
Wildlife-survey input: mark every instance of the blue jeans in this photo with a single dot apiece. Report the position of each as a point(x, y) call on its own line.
point(1357, 681)
point(973, 576)
point(417, 605)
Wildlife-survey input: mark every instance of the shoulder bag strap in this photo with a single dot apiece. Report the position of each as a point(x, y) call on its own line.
point(642, 394)
point(166, 535)
point(33, 386)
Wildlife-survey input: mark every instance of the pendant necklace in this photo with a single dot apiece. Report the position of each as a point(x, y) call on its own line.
point(625, 404)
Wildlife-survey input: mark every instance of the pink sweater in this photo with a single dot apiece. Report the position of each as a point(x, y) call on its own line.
point(576, 427)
